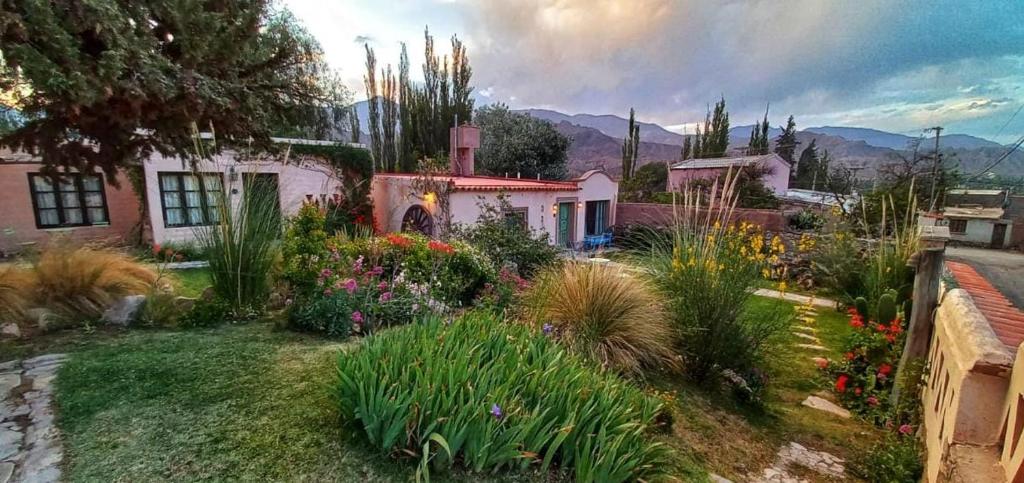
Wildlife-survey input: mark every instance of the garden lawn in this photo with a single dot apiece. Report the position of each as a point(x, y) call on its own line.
point(733, 441)
point(234, 403)
point(190, 282)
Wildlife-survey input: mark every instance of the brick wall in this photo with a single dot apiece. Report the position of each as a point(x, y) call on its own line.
point(18, 223)
point(659, 214)
point(1015, 212)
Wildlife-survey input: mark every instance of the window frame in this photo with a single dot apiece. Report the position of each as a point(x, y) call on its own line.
point(587, 209)
point(182, 197)
point(957, 220)
point(77, 180)
point(521, 215)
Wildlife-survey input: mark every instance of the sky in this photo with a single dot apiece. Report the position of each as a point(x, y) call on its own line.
point(895, 65)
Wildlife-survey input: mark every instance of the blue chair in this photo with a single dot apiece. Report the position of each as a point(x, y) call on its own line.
point(593, 242)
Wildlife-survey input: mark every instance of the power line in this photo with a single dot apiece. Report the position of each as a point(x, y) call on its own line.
point(1000, 159)
point(1007, 123)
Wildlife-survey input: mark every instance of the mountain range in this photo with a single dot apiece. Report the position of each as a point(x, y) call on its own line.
point(597, 143)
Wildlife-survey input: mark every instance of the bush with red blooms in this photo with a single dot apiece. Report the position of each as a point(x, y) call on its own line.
point(500, 295)
point(863, 378)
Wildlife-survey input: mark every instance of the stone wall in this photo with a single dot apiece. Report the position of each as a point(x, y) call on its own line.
point(659, 214)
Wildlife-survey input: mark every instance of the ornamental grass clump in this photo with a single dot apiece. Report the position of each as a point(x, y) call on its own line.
point(605, 314)
point(16, 285)
point(708, 269)
point(497, 396)
point(81, 282)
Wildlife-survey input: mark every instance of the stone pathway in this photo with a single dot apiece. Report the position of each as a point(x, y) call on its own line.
point(797, 298)
point(30, 447)
point(795, 454)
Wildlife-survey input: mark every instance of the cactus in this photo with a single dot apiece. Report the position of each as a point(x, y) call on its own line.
point(861, 304)
point(908, 305)
point(892, 292)
point(886, 308)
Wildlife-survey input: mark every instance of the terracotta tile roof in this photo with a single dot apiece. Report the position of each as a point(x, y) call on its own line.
point(487, 183)
point(1006, 320)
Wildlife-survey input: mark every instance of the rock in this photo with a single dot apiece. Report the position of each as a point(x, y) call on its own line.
point(813, 347)
point(8, 366)
point(713, 477)
point(10, 329)
point(6, 471)
point(184, 304)
point(124, 312)
point(7, 383)
point(827, 406)
point(43, 318)
point(44, 360)
point(208, 294)
point(806, 336)
point(10, 443)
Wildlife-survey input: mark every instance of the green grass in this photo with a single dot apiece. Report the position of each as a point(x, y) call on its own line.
point(235, 403)
point(248, 402)
point(190, 282)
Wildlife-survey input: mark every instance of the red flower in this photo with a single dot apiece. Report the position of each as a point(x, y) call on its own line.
point(896, 327)
point(857, 322)
point(880, 327)
point(399, 240)
point(852, 311)
point(891, 338)
point(441, 247)
point(841, 383)
point(360, 219)
point(156, 249)
point(885, 369)
point(850, 356)
point(872, 401)
point(857, 391)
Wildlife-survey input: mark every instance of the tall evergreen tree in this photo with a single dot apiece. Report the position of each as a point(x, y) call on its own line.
point(713, 141)
point(807, 167)
point(406, 92)
point(759, 137)
point(687, 151)
point(389, 121)
point(373, 103)
point(786, 143)
point(353, 124)
point(630, 147)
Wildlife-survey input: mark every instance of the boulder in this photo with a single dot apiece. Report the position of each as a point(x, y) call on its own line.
point(10, 329)
point(184, 304)
point(124, 312)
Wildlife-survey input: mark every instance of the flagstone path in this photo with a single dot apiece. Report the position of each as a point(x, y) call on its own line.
point(30, 447)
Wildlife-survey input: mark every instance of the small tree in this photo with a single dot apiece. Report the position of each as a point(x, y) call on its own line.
point(514, 143)
point(713, 141)
point(759, 137)
point(786, 143)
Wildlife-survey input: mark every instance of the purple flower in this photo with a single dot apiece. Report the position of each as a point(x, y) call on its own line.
point(496, 412)
point(376, 270)
point(357, 317)
point(326, 273)
point(384, 297)
point(357, 266)
point(382, 286)
point(351, 286)
point(906, 429)
point(547, 329)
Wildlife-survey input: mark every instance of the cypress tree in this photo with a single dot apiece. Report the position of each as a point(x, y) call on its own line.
point(807, 167)
point(373, 101)
point(353, 124)
point(630, 146)
point(687, 150)
point(786, 143)
point(758, 143)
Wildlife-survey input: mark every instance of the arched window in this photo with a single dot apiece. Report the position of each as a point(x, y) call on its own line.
point(418, 219)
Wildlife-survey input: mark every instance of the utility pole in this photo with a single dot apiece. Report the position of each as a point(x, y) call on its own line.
point(935, 169)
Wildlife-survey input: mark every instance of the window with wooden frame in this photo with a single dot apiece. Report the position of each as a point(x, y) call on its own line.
point(68, 200)
point(518, 217)
point(957, 226)
point(189, 199)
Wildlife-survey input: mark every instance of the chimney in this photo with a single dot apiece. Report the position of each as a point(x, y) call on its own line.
point(465, 139)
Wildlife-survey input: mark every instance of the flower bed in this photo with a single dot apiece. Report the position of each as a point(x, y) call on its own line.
point(494, 396)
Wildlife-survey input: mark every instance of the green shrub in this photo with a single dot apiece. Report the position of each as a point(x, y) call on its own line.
point(207, 313)
point(244, 246)
point(897, 459)
point(604, 314)
point(506, 241)
point(707, 271)
point(304, 249)
point(807, 220)
point(501, 396)
point(331, 315)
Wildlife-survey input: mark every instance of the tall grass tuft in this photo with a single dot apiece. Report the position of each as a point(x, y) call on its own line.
point(77, 282)
point(243, 248)
point(707, 269)
point(897, 243)
point(16, 286)
point(604, 314)
point(497, 396)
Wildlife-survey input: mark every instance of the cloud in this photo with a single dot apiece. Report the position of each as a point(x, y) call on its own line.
point(669, 58)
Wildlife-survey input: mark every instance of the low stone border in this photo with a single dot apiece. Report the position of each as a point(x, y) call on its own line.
point(186, 265)
point(30, 446)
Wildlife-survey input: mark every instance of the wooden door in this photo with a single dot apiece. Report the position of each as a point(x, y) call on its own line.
point(566, 222)
point(998, 235)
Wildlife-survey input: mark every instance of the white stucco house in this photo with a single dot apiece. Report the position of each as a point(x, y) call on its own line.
point(567, 211)
point(973, 225)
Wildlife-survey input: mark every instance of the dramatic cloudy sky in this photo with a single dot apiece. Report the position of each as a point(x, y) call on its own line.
point(897, 65)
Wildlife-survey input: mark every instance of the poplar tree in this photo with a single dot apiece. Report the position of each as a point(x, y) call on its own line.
point(353, 124)
point(373, 103)
point(630, 146)
point(758, 143)
point(713, 141)
point(687, 151)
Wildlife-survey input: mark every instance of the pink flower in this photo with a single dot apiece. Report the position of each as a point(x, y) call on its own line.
point(872, 401)
point(906, 429)
point(384, 297)
point(351, 286)
point(357, 317)
point(382, 286)
point(357, 266)
point(326, 273)
point(376, 270)
point(327, 292)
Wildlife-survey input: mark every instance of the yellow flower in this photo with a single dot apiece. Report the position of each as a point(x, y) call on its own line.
point(782, 286)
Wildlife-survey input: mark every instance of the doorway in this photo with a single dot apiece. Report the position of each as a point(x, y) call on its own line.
point(566, 232)
point(998, 235)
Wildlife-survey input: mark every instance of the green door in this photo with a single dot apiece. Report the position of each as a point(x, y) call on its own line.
point(565, 219)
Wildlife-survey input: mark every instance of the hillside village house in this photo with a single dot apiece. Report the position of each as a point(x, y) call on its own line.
point(777, 179)
point(568, 211)
point(34, 209)
point(981, 217)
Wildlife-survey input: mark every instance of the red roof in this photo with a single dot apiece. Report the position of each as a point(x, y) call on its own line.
point(1006, 320)
point(488, 183)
